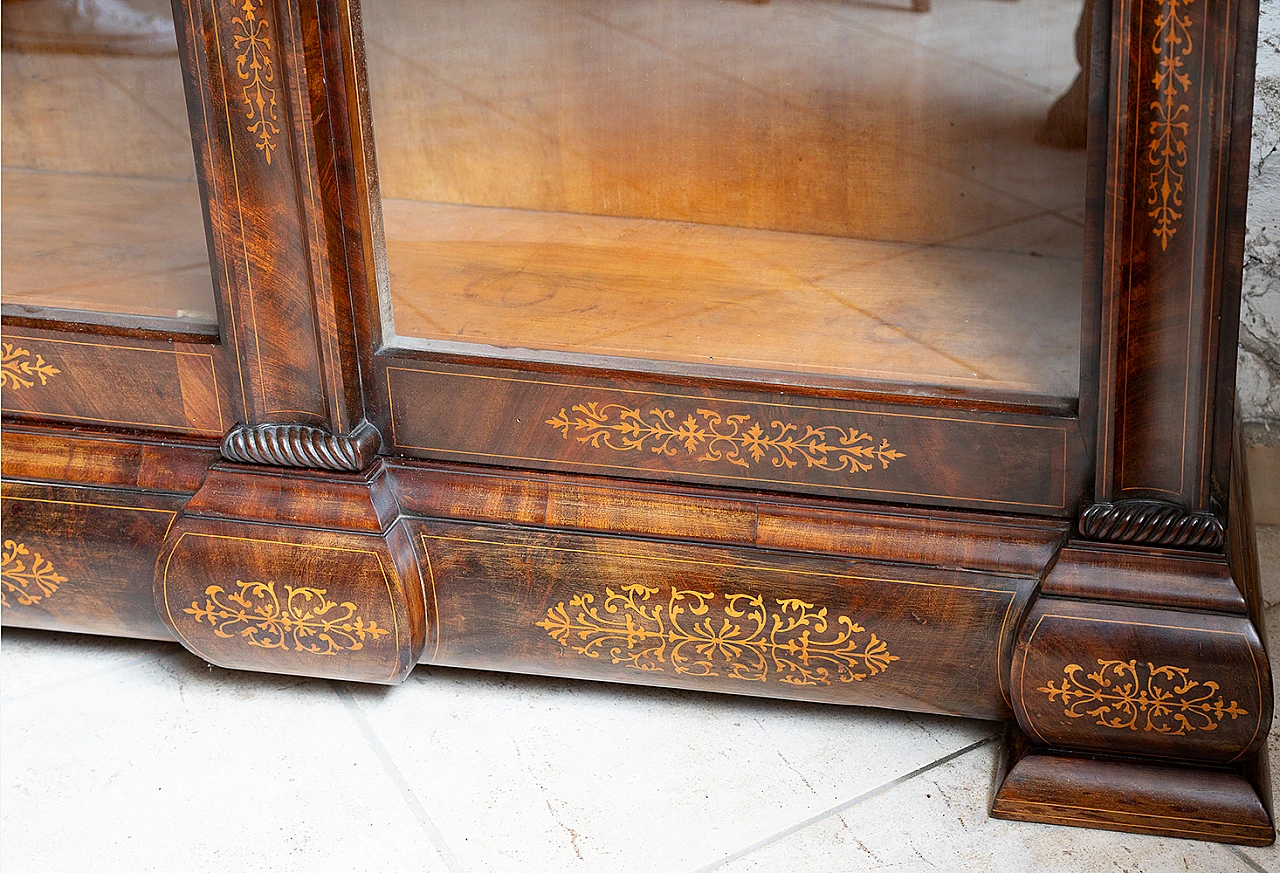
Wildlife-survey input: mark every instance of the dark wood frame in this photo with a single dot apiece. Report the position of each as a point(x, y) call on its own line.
point(1083, 570)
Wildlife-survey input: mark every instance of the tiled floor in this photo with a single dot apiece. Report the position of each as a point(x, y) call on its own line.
point(136, 756)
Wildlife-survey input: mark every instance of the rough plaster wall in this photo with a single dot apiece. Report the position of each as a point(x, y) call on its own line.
point(1259, 374)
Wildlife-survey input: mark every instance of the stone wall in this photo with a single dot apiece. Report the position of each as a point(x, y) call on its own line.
point(1259, 374)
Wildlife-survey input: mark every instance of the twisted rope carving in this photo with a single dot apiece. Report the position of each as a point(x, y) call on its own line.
point(296, 445)
point(1151, 523)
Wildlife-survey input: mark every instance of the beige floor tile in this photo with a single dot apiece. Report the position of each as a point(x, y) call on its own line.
point(172, 766)
point(1042, 55)
point(34, 660)
point(1269, 560)
point(597, 777)
point(938, 821)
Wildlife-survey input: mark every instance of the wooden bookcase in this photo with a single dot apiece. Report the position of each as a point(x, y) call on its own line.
point(590, 427)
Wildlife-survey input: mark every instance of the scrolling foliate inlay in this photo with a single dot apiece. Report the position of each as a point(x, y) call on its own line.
point(18, 370)
point(1167, 149)
point(786, 640)
point(735, 439)
point(27, 575)
point(251, 38)
point(305, 621)
point(1124, 695)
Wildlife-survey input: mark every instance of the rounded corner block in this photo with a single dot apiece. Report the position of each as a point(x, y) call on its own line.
point(1145, 681)
point(328, 604)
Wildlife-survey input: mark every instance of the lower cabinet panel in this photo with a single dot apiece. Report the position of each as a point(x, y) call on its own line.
point(622, 609)
point(718, 619)
point(82, 559)
point(115, 382)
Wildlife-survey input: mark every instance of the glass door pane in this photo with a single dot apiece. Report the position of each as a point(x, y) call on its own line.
point(101, 211)
point(807, 187)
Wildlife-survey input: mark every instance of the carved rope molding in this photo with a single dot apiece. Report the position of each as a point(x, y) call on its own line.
point(296, 445)
point(712, 437)
point(1124, 695)
point(305, 621)
point(1150, 522)
point(17, 370)
point(256, 69)
point(27, 575)
point(787, 639)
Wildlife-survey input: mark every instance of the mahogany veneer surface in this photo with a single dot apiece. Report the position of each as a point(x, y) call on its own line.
point(812, 187)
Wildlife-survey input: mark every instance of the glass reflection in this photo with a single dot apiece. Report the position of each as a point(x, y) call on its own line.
point(101, 210)
point(815, 186)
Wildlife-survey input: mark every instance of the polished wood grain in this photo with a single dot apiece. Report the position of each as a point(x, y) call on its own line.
point(105, 458)
point(1117, 795)
point(1101, 676)
point(1019, 546)
point(1174, 157)
point(300, 601)
point(129, 382)
point(314, 575)
point(516, 497)
point(728, 620)
point(94, 547)
point(893, 451)
point(1098, 572)
point(252, 113)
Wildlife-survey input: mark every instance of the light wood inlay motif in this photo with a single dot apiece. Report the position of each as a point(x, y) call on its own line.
point(736, 439)
point(254, 67)
point(787, 640)
point(1125, 695)
point(29, 583)
point(1167, 149)
point(306, 621)
point(17, 370)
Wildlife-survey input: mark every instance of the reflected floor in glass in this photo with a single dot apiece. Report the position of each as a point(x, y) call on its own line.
point(806, 186)
point(101, 210)
point(108, 244)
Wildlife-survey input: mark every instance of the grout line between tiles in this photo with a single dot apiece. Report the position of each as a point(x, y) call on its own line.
point(1249, 862)
point(406, 791)
point(122, 665)
point(841, 807)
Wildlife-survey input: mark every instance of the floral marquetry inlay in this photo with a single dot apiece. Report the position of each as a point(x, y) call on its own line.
point(785, 640)
point(711, 437)
point(251, 39)
point(1167, 148)
point(19, 370)
point(27, 575)
point(305, 621)
point(1125, 695)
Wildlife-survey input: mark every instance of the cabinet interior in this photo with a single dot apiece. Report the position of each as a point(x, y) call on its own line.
point(101, 209)
point(812, 188)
